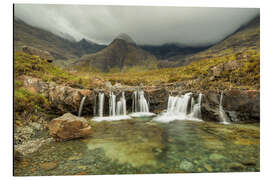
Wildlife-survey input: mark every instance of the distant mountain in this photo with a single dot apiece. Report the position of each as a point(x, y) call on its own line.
point(60, 48)
point(121, 53)
point(168, 50)
point(246, 38)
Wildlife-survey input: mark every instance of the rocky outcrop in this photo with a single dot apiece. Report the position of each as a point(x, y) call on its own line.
point(62, 98)
point(69, 127)
point(41, 53)
point(239, 105)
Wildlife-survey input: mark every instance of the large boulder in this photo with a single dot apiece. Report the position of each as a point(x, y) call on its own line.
point(69, 127)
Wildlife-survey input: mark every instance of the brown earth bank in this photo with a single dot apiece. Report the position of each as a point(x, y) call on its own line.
point(239, 105)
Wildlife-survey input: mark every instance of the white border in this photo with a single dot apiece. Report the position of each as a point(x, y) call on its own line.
point(6, 84)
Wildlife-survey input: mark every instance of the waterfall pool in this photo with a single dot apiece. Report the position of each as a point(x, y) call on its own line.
point(141, 145)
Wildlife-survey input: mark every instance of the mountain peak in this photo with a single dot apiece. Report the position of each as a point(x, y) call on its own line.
point(125, 37)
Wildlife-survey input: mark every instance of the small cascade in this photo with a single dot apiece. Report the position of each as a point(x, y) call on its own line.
point(81, 106)
point(100, 104)
point(178, 104)
point(112, 104)
point(181, 108)
point(223, 116)
point(117, 111)
point(196, 108)
point(140, 106)
point(121, 108)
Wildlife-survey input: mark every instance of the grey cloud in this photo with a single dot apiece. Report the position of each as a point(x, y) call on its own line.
point(146, 25)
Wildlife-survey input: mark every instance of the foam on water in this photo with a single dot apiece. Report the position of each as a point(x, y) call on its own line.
point(111, 118)
point(142, 114)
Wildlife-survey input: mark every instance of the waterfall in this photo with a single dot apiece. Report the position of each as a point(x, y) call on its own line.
point(196, 108)
point(181, 108)
point(117, 111)
point(121, 106)
point(223, 116)
point(81, 106)
point(178, 104)
point(100, 104)
point(140, 106)
point(112, 104)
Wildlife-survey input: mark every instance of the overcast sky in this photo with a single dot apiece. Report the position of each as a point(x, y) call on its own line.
point(145, 25)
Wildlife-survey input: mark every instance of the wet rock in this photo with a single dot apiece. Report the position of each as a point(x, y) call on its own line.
point(69, 127)
point(216, 157)
point(17, 155)
point(249, 162)
point(186, 165)
point(239, 105)
point(236, 166)
point(48, 165)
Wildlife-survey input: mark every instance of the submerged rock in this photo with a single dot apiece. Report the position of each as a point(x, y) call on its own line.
point(69, 127)
point(48, 165)
point(216, 157)
point(186, 165)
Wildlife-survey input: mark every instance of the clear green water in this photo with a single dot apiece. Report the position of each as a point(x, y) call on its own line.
point(141, 146)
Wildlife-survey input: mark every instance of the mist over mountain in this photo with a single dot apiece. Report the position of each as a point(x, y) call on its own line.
point(147, 25)
point(60, 48)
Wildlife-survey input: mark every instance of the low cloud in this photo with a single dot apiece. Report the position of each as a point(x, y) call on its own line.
point(146, 25)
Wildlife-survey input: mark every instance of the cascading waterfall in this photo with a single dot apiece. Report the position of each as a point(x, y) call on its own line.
point(223, 117)
point(196, 108)
point(116, 111)
point(121, 108)
point(81, 106)
point(112, 104)
point(100, 104)
point(181, 108)
point(140, 106)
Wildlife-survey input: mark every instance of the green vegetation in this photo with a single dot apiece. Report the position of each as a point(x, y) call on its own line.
point(27, 104)
point(25, 64)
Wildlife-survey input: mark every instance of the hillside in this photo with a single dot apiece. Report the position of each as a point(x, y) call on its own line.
point(58, 47)
point(165, 51)
point(246, 38)
point(121, 54)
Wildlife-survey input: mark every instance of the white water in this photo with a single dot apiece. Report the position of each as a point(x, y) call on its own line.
point(223, 117)
point(100, 104)
point(196, 108)
point(112, 104)
point(116, 111)
point(121, 108)
point(140, 107)
point(81, 106)
point(181, 108)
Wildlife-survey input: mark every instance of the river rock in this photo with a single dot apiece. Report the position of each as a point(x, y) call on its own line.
point(69, 127)
point(216, 157)
point(48, 165)
point(186, 165)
